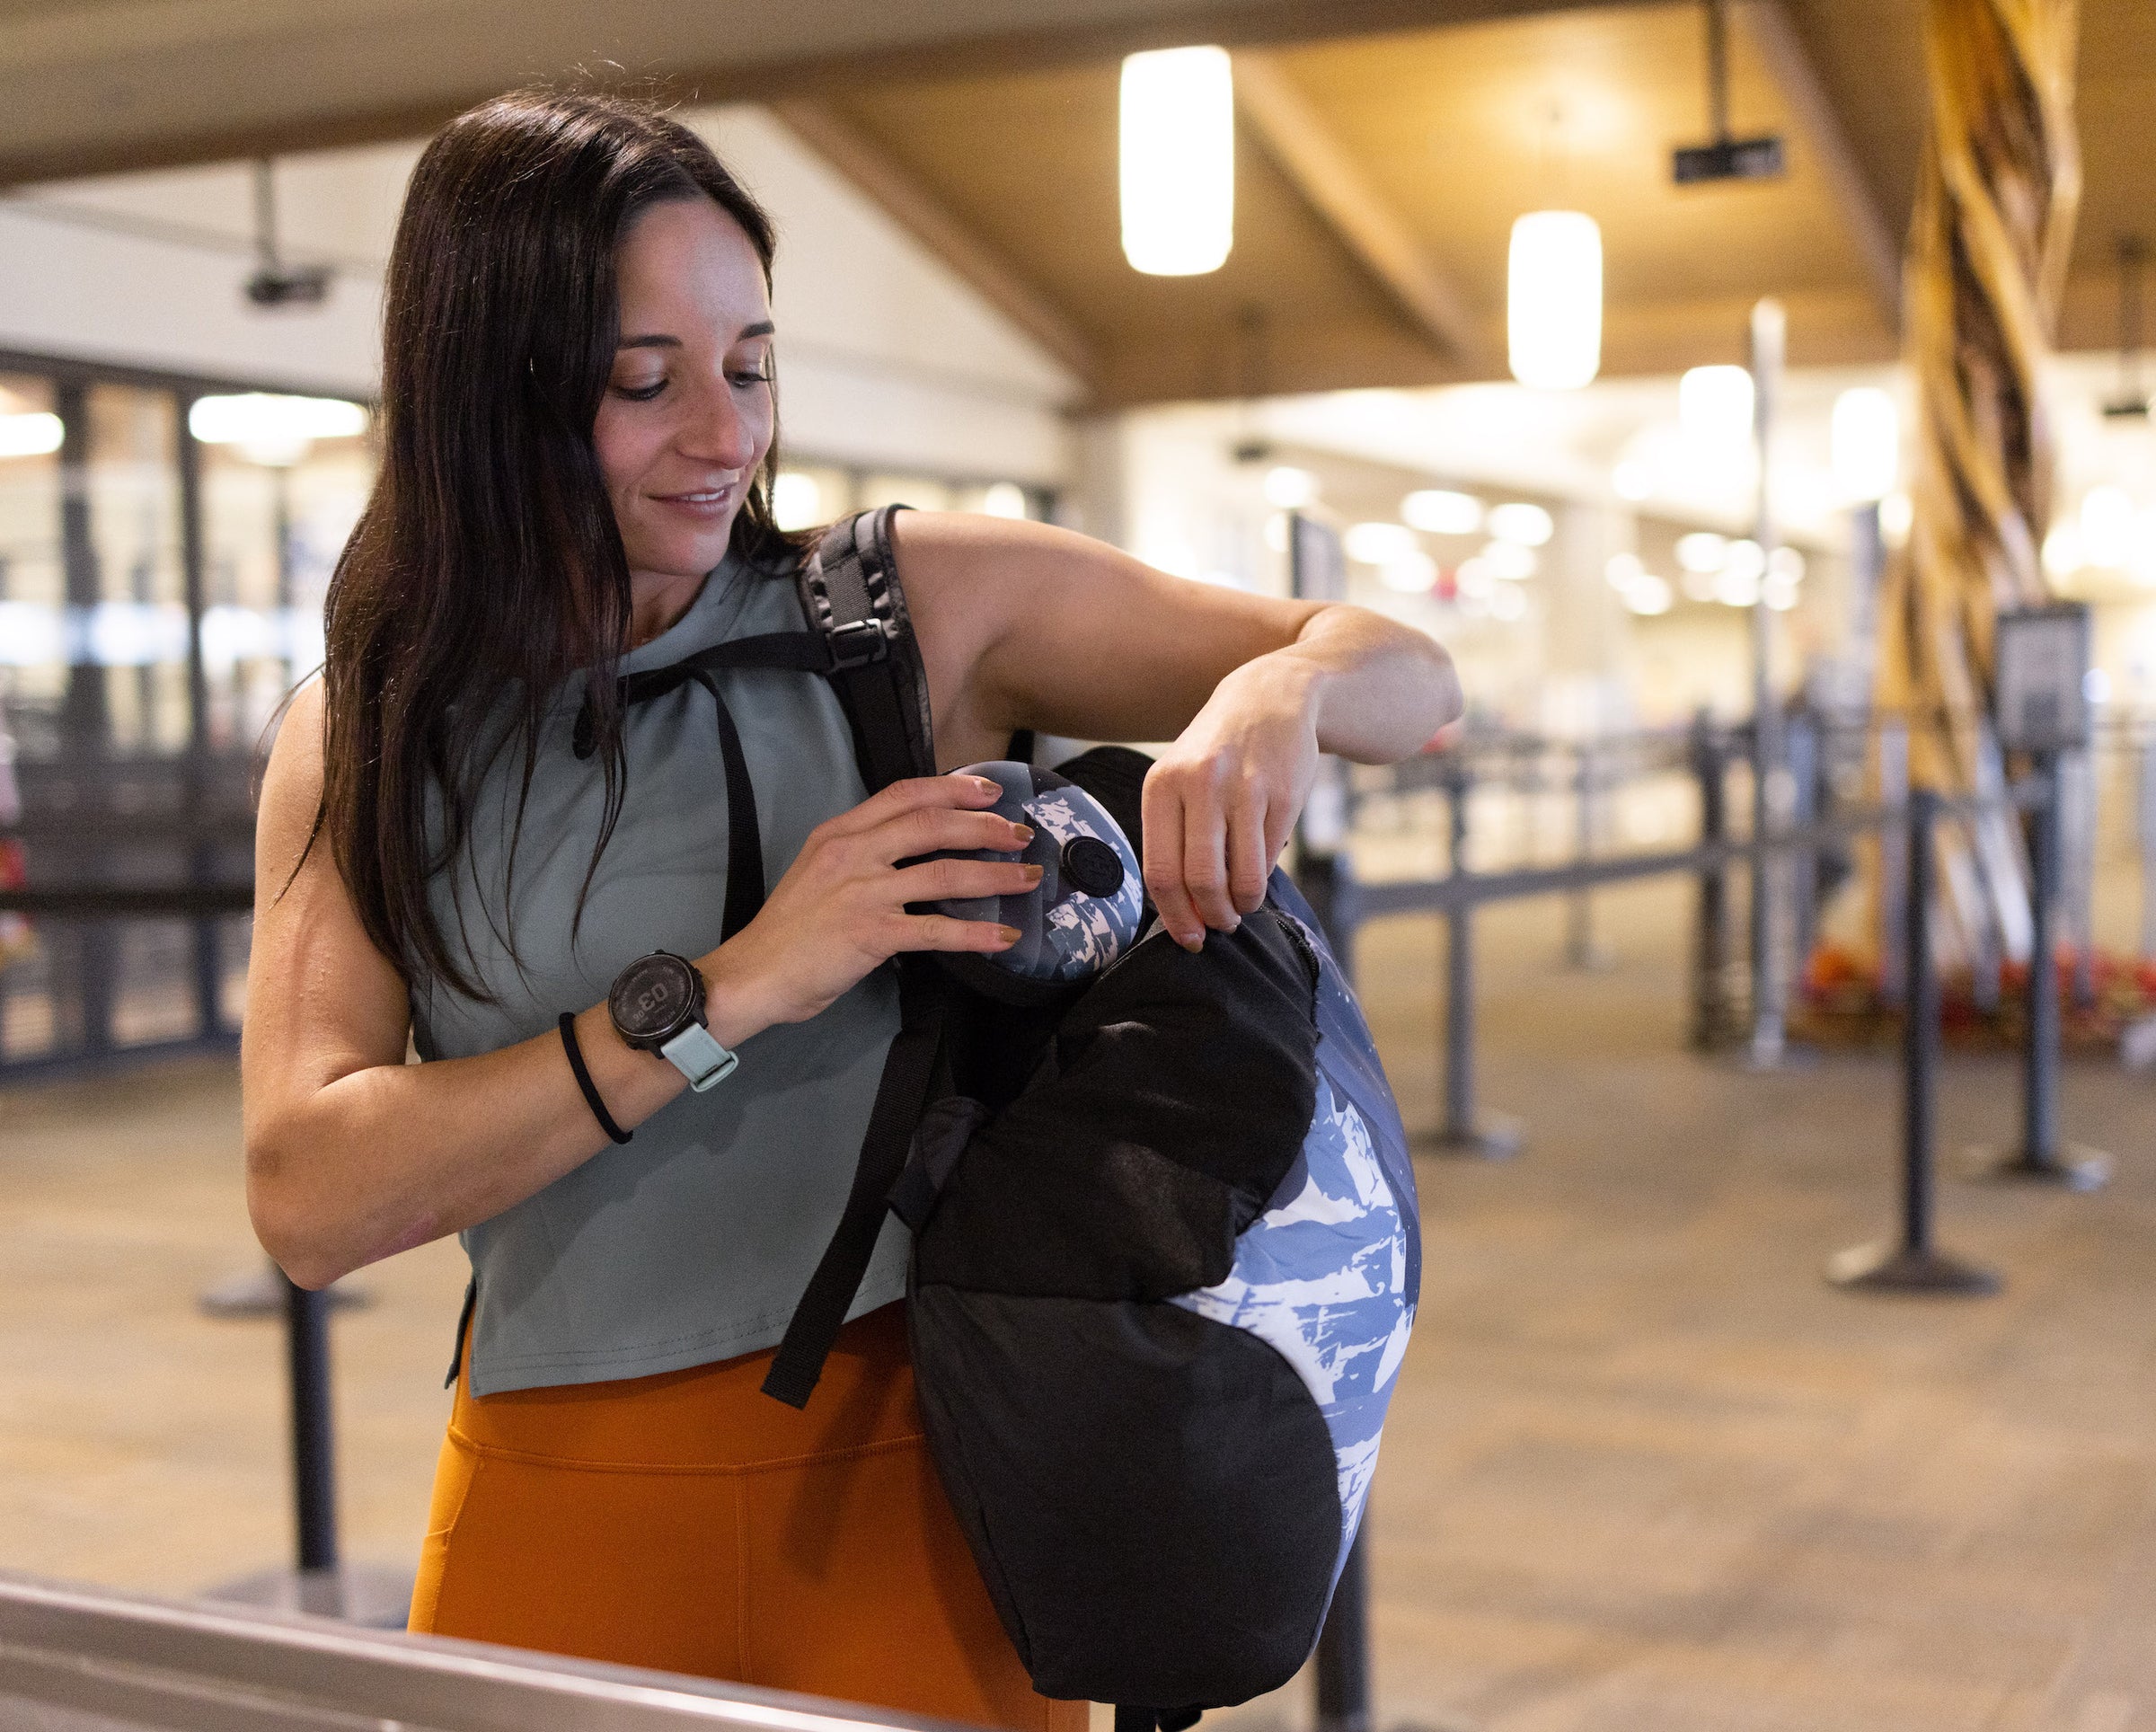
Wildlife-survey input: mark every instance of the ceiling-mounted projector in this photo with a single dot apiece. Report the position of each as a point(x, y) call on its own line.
point(274, 282)
point(289, 286)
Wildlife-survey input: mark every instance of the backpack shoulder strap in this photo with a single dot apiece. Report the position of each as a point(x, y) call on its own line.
point(850, 596)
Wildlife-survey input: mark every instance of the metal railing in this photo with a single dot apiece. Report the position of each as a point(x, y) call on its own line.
point(80, 1659)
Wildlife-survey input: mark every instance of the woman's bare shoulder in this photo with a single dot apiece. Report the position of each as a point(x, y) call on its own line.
point(291, 795)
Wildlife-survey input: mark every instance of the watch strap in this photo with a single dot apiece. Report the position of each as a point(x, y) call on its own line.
point(697, 1055)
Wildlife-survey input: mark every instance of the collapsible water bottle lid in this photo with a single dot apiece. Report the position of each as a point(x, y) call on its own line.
point(1084, 912)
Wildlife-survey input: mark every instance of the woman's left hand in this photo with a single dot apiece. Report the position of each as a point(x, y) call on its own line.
point(1221, 802)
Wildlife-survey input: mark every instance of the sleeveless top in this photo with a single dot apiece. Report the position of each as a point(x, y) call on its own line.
point(692, 1242)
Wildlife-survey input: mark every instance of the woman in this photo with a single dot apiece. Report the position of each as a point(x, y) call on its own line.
point(578, 436)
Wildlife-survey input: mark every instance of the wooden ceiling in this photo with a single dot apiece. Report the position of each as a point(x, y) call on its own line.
point(1379, 175)
point(1385, 149)
point(1451, 132)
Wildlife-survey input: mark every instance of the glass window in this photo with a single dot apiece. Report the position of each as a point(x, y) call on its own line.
point(33, 658)
point(284, 479)
point(131, 633)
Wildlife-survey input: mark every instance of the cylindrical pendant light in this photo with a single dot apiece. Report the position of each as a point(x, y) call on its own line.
point(1865, 443)
point(1178, 153)
point(1553, 299)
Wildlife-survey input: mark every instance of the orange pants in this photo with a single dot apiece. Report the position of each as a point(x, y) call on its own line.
point(689, 1522)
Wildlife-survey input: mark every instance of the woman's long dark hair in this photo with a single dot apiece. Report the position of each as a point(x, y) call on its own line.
point(487, 566)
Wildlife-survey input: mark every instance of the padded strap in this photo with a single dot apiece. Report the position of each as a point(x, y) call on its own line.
point(744, 832)
point(850, 596)
point(909, 1074)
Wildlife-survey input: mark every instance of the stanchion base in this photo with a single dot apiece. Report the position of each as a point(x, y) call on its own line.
point(371, 1594)
point(261, 1293)
point(1498, 1137)
point(1764, 1058)
point(1894, 1267)
point(1594, 960)
point(2071, 1167)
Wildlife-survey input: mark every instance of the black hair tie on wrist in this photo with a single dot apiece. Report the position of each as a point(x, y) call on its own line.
point(591, 1093)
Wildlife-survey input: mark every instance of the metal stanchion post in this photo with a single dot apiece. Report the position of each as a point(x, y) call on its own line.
point(1805, 749)
point(1893, 860)
point(319, 1581)
point(1343, 1657)
point(2145, 828)
point(2041, 1157)
point(1465, 1132)
point(314, 1459)
point(1913, 1265)
point(1581, 951)
point(1710, 955)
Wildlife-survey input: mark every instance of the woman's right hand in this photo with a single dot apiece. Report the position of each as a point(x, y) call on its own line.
point(841, 909)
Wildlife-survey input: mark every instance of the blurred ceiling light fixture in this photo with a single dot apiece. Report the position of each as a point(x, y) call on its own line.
point(1631, 481)
point(1380, 543)
point(796, 502)
point(1528, 524)
point(1702, 551)
point(273, 430)
point(1649, 594)
point(1289, 488)
point(1787, 564)
point(1714, 407)
point(2107, 527)
point(1553, 300)
point(1736, 589)
point(1745, 560)
point(1509, 560)
point(1440, 511)
point(1177, 160)
point(2062, 551)
point(1507, 603)
point(1624, 570)
point(30, 435)
point(1866, 439)
point(1779, 593)
point(1412, 574)
point(1005, 499)
point(1897, 514)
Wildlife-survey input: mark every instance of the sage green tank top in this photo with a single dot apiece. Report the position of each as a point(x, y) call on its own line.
point(692, 1242)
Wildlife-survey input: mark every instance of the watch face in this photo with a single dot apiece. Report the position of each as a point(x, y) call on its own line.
point(651, 997)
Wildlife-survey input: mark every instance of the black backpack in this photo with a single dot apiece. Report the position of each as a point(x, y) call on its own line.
point(1166, 1254)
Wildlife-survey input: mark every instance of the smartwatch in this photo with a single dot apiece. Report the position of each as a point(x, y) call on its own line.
point(656, 1004)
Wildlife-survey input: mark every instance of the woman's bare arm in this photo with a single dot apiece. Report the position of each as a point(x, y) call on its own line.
point(1027, 626)
point(352, 1155)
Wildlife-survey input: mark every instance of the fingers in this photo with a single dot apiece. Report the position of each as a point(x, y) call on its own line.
point(1279, 825)
point(1163, 825)
point(933, 828)
point(915, 794)
point(942, 933)
point(947, 880)
point(1206, 863)
point(1249, 861)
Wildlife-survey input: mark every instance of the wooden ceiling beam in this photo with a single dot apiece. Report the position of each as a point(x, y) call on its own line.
point(915, 209)
point(1820, 130)
point(1295, 135)
point(370, 89)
